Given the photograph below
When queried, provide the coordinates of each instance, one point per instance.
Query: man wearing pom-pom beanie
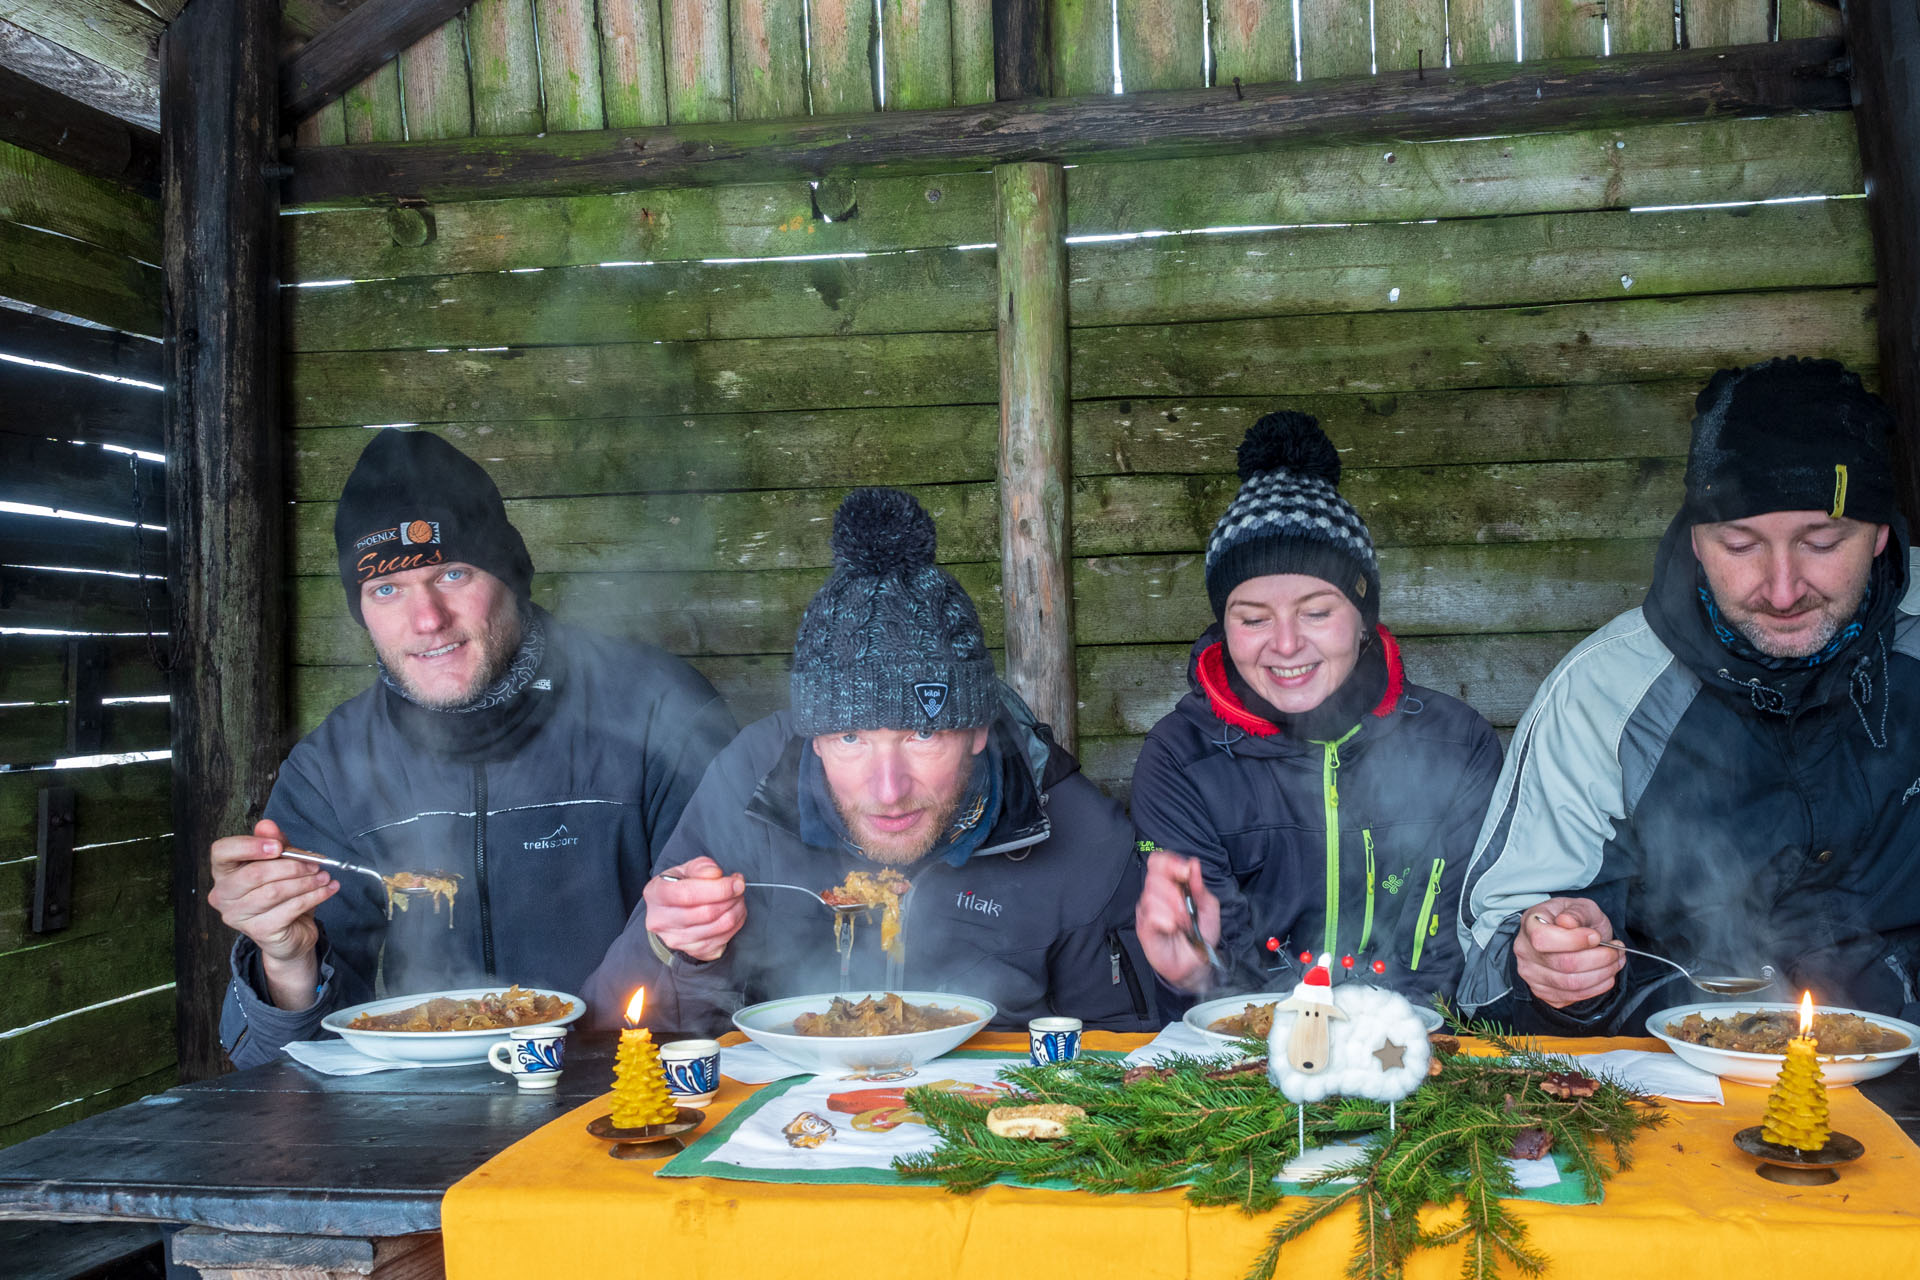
(901, 758)
(1726, 776)
(1304, 793)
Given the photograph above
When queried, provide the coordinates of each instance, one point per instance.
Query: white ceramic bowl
(1762, 1068)
(435, 1048)
(770, 1025)
(1202, 1016)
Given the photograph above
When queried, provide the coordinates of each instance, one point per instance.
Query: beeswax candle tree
(1797, 1107)
(639, 1084)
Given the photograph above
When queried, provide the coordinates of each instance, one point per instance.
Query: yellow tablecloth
(555, 1205)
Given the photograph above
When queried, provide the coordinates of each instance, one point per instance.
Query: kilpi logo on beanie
(933, 698)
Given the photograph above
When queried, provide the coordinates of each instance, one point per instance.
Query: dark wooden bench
(83, 1250)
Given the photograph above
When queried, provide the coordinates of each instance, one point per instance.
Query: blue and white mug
(531, 1055)
(693, 1070)
(1053, 1040)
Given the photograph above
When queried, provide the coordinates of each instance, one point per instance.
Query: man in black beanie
(537, 769)
(905, 774)
(1725, 775)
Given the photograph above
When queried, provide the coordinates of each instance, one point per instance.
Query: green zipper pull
(1366, 923)
(1421, 929)
(1330, 801)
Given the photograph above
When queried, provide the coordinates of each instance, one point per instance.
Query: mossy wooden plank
(1481, 31)
(504, 67)
(113, 884)
(373, 110)
(41, 269)
(1162, 44)
(1336, 39)
(1708, 23)
(111, 803)
(92, 1104)
(569, 64)
(633, 70)
(916, 38)
(44, 600)
(1563, 28)
(1113, 515)
(326, 127)
(840, 67)
(1800, 19)
(1584, 342)
(769, 60)
(53, 1065)
(933, 290)
(1647, 26)
(70, 406)
(699, 86)
(1409, 33)
(43, 193)
(333, 388)
(51, 543)
(37, 735)
(972, 51)
(67, 971)
(801, 450)
(1082, 47)
(34, 668)
(1722, 160)
(82, 478)
(1108, 763)
(435, 87)
(1252, 42)
(1481, 262)
(1117, 599)
(761, 220)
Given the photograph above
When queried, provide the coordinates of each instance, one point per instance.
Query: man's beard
(904, 851)
(497, 645)
(1834, 614)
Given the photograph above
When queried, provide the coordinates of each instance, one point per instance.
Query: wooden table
(281, 1172)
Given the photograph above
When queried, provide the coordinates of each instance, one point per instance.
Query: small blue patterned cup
(531, 1055)
(1053, 1040)
(693, 1070)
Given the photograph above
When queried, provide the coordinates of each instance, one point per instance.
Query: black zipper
(1123, 970)
(480, 865)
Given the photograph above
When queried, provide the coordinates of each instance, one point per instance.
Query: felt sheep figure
(1353, 1041)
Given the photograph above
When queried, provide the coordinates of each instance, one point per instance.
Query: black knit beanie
(415, 500)
(1789, 435)
(1289, 517)
(891, 641)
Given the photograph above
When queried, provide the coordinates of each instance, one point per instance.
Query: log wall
(674, 388)
(81, 632)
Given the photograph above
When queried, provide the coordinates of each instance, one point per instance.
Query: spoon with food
(400, 885)
(1718, 984)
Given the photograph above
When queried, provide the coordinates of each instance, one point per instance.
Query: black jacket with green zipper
(1357, 848)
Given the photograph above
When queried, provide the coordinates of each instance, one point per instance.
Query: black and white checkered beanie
(891, 641)
(1289, 517)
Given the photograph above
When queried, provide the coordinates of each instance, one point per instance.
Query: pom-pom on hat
(891, 641)
(414, 500)
(1789, 435)
(1289, 517)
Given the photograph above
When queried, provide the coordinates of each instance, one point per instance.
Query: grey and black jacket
(551, 819)
(1356, 847)
(1039, 919)
(1721, 812)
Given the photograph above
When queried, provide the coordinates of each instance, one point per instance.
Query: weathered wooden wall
(76, 618)
(1504, 349)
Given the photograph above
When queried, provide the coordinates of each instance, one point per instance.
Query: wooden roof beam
(82, 137)
(1459, 102)
(354, 48)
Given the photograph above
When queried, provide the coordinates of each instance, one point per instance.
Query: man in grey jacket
(1724, 775)
(541, 767)
(902, 758)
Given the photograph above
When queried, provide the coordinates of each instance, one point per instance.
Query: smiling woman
(1320, 801)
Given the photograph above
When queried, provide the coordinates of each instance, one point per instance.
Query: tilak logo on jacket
(969, 901)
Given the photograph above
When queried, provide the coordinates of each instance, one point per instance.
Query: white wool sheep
(1374, 1017)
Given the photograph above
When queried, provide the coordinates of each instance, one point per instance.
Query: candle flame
(635, 1005)
(1806, 1013)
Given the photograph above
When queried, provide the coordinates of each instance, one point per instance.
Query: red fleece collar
(1220, 696)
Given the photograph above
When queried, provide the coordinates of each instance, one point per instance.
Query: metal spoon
(1714, 984)
(1216, 969)
(838, 909)
(301, 855)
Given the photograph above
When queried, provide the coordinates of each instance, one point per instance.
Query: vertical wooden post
(1883, 40)
(1022, 64)
(1036, 467)
(225, 506)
